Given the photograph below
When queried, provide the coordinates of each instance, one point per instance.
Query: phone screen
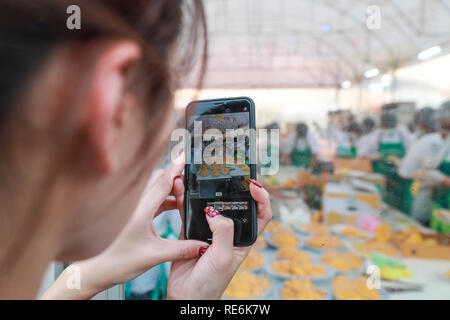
(219, 165)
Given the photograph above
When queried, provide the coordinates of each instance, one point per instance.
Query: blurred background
(300, 59)
(345, 73)
(351, 221)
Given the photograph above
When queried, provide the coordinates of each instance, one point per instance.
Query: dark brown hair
(29, 30)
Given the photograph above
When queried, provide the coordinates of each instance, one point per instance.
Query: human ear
(106, 100)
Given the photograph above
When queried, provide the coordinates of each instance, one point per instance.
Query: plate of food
(274, 226)
(290, 269)
(311, 229)
(295, 254)
(301, 289)
(248, 286)
(253, 262)
(368, 247)
(345, 262)
(285, 238)
(350, 232)
(355, 288)
(323, 242)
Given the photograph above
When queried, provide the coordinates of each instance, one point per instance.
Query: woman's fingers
(168, 204)
(222, 229)
(264, 210)
(174, 250)
(178, 187)
(163, 182)
(161, 186)
(178, 193)
(177, 166)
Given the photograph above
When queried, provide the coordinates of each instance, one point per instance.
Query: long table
(427, 272)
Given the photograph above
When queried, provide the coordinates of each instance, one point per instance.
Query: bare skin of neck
(22, 264)
(21, 278)
(29, 238)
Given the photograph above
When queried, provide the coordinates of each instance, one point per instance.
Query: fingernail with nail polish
(256, 183)
(211, 211)
(202, 250)
(180, 157)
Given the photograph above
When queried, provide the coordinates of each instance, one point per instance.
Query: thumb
(222, 229)
(264, 209)
(175, 250)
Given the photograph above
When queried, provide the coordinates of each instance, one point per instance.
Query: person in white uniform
(425, 122)
(389, 141)
(422, 155)
(368, 128)
(425, 147)
(335, 126)
(385, 147)
(304, 148)
(348, 145)
(368, 125)
(429, 164)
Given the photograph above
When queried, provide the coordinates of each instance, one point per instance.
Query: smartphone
(220, 153)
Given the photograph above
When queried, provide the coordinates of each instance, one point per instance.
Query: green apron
(383, 167)
(397, 193)
(345, 152)
(441, 199)
(301, 158)
(441, 194)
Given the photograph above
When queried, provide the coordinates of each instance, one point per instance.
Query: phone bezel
(252, 125)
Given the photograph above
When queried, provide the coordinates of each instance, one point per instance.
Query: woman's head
(301, 129)
(368, 125)
(85, 114)
(354, 131)
(425, 120)
(388, 120)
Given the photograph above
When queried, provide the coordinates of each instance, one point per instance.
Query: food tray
(267, 295)
(279, 285)
(319, 251)
(337, 229)
(268, 237)
(384, 295)
(353, 273)
(331, 273)
(301, 232)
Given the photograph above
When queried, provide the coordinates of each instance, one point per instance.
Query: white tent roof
(316, 43)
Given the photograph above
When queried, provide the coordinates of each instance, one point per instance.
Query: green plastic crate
(435, 222)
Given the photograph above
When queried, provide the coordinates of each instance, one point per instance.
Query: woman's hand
(208, 276)
(138, 247)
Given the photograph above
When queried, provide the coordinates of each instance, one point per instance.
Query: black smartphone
(220, 153)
